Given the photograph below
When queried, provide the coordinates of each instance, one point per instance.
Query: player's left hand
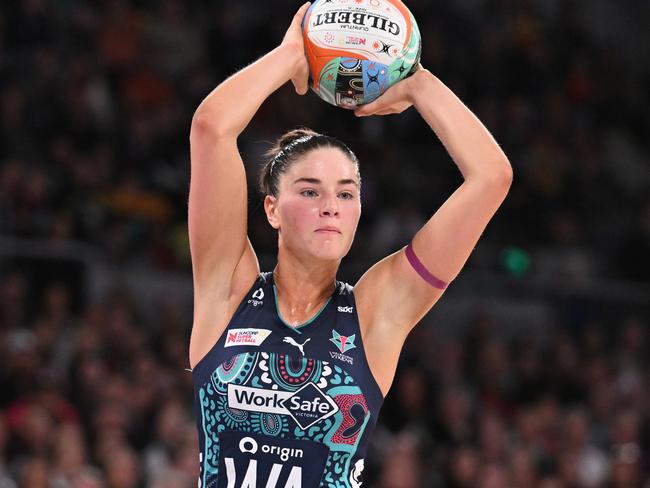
(395, 100)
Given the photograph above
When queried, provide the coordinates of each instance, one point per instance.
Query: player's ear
(271, 210)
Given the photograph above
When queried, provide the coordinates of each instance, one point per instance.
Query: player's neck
(302, 291)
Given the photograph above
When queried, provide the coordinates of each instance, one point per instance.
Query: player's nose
(329, 207)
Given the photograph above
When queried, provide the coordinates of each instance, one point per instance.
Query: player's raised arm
(217, 206)
(443, 245)
(222, 257)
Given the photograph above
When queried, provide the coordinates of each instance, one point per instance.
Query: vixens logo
(344, 343)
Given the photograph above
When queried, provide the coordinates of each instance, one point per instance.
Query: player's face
(318, 207)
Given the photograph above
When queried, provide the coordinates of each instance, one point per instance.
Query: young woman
(290, 367)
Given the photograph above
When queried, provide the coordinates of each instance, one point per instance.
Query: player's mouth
(329, 229)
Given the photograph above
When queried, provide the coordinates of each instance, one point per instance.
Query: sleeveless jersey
(284, 407)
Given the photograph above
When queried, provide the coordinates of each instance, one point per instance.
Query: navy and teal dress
(279, 406)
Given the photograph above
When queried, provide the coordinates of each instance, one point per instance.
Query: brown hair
(291, 146)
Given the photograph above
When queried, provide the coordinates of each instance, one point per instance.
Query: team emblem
(344, 343)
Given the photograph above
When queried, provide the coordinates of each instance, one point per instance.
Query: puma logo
(294, 343)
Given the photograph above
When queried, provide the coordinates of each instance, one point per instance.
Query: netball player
(290, 367)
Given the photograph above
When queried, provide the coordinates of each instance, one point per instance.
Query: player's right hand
(293, 39)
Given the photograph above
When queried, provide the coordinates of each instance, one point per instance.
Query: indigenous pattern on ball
(357, 49)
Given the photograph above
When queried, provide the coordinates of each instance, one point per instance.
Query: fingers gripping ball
(357, 49)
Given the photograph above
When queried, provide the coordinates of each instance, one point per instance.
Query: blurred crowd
(96, 101)
(485, 411)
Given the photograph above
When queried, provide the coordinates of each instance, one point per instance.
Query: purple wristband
(422, 271)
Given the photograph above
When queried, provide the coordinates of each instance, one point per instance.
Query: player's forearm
(229, 108)
(466, 139)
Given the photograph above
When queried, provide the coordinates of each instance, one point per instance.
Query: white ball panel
(355, 26)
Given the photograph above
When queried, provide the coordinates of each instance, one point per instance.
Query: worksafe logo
(306, 406)
(344, 343)
(309, 405)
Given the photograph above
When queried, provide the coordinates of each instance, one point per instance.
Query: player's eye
(308, 193)
(346, 195)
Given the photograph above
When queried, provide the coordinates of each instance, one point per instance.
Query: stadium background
(532, 371)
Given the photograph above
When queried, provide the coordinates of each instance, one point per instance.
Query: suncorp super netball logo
(246, 337)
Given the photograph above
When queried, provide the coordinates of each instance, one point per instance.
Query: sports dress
(281, 407)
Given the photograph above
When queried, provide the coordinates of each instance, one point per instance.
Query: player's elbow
(500, 174)
(206, 124)
(497, 181)
(505, 175)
